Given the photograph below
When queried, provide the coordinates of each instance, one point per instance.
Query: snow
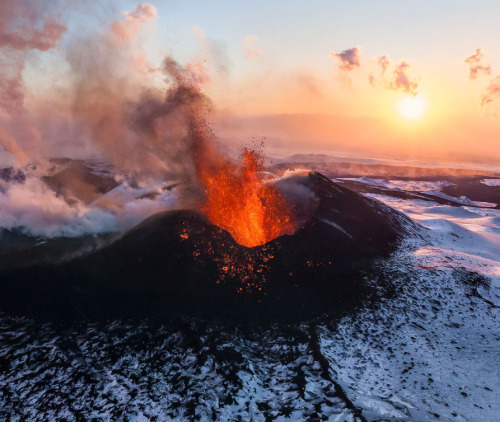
(428, 347)
(403, 185)
(491, 182)
(431, 352)
(428, 353)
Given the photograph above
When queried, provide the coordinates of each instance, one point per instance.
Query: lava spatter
(239, 200)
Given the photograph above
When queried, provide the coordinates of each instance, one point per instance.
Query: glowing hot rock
(239, 200)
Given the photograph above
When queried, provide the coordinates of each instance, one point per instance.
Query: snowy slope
(432, 351)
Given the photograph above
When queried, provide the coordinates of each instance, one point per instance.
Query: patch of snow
(463, 200)
(491, 182)
(331, 223)
(403, 185)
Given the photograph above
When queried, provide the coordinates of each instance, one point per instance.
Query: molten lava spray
(240, 201)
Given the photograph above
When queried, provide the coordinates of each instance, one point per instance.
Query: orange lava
(239, 201)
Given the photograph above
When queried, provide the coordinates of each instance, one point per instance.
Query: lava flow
(240, 201)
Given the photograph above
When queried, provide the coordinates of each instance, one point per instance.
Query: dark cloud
(402, 81)
(477, 65)
(350, 59)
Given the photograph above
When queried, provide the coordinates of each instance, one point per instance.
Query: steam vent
(179, 260)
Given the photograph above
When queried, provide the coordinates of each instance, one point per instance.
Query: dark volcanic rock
(177, 260)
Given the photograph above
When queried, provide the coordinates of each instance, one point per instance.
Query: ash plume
(114, 100)
(477, 65)
(24, 27)
(144, 131)
(350, 59)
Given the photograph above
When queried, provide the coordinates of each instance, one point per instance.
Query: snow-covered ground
(427, 348)
(406, 185)
(432, 351)
(491, 182)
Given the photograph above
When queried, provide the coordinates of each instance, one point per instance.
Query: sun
(412, 108)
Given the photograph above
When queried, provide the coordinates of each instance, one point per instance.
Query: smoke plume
(477, 65)
(24, 27)
(144, 131)
(150, 122)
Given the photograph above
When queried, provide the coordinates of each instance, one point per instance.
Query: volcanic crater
(178, 260)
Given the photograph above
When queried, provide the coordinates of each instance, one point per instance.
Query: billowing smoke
(151, 130)
(147, 132)
(305, 201)
(24, 26)
(33, 207)
(477, 65)
(400, 79)
(350, 59)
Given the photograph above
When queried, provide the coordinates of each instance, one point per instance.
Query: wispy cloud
(401, 79)
(492, 92)
(477, 65)
(248, 45)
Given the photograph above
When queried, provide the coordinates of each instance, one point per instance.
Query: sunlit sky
(275, 58)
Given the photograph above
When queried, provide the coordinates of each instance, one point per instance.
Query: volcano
(180, 260)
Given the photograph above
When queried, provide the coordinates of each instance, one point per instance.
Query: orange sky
(326, 76)
(351, 115)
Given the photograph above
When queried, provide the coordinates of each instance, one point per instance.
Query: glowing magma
(239, 201)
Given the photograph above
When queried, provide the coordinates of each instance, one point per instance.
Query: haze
(329, 77)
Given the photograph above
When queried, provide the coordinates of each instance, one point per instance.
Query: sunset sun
(412, 108)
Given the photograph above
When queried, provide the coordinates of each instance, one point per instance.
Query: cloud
(350, 59)
(24, 28)
(129, 28)
(477, 66)
(248, 45)
(383, 62)
(33, 207)
(400, 79)
(492, 92)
